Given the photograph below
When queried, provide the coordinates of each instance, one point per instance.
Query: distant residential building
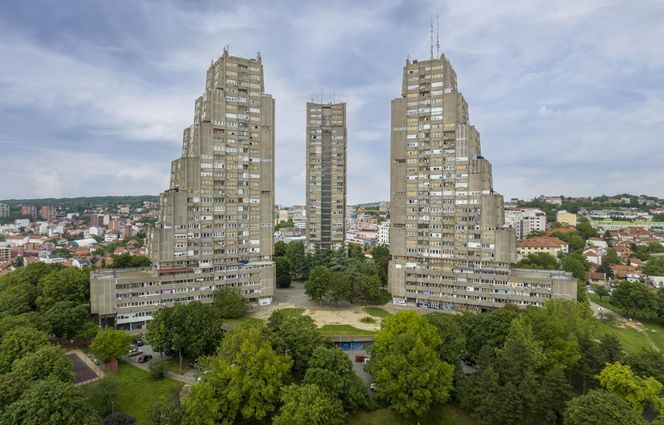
(28, 210)
(326, 175)
(554, 200)
(5, 251)
(48, 212)
(96, 220)
(526, 221)
(81, 263)
(384, 206)
(4, 210)
(124, 209)
(384, 233)
(541, 244)
(566, 218)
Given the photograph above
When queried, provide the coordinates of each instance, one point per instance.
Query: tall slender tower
(326, 175)
(450, 248)
(215, 225)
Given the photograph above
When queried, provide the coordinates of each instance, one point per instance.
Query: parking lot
(358, 367)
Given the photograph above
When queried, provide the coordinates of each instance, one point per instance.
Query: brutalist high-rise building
(215, 226)
(326, 175)
(450, 248)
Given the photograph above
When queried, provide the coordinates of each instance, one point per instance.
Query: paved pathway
(187, 377)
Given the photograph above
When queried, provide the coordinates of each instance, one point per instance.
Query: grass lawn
(347, 330)
(292, 312)
(137, 391)
(376, 312)
(632, 340)
(448, 414)
(174, 364)
(242, 321)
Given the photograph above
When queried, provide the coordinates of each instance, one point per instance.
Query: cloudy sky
(568, 96)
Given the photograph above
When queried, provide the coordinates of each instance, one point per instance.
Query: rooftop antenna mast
(437, 38)
(431, 37)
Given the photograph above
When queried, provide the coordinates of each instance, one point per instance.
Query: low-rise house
(655, 281)
(541, 244)
(597, 243)
(595, 278)
(592, 256)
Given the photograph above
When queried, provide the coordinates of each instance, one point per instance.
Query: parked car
(372, 387)
(139, 342)
(134, 352)
(359, 358)
(366, 361)
(144, 358)
(169, 353)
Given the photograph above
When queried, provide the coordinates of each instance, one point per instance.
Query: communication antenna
(431, 37)
(437, 38)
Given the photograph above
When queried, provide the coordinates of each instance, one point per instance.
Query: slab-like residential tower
(215, 226)
(450, 248)
(326, 175)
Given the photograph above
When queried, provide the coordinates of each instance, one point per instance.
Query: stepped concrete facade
(450, 247)
(326, 175)
(215, 227)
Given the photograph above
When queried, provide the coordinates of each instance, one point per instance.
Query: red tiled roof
(541, 242)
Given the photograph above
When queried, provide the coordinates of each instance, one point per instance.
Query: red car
(359, 358)
(144, 358)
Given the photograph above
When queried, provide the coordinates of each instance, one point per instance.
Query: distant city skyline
(93, 97)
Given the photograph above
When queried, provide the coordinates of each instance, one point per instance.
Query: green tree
(318, 285)
(68, 284)
(381, 257)
(540, 261)
(332, 371)
(340, 288)
(158, 368)
(119, 418)
(576, 264)
(449, 329)
(283, 272)
(110, 343)
(296, 337)
(48, 361)
(307, 404)
(30, 320)
(126, 260)
(102, 394)
(586, 230)
(367, 290)
(17, 298)
(284, 224)
(18, 343)
(50, 402)
(486, 330)
(600, 291)
(654, 266)
(67, 319)
(558, 326)
(612, 349)
(409, 375)
(576, 242)
(600, 407)
(230, 303)
(243, 381)
(168, 410)
(647, 362)
(298, 262)
(636, 299)
(635, 390)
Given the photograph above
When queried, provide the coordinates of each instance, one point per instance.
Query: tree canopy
(409, 374)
